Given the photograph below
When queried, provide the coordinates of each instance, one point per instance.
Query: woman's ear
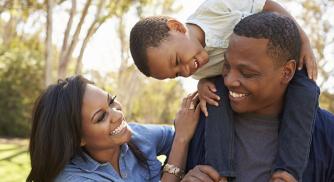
(173, 24)
(289, 70)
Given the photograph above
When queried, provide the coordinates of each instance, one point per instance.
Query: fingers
(311, 67)
(202, 173)
(202, 105)
(211, 172)
(283, 176)
(301, 62)
(212, 87)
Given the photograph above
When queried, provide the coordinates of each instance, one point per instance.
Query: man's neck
(195, 32)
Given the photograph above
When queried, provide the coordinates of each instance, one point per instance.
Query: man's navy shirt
(320, 167)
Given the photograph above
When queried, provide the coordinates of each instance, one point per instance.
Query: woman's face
(104, 126)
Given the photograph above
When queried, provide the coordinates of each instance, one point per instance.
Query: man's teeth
(119, 128)
(237, 95)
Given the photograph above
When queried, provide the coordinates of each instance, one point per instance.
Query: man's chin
(238, 109)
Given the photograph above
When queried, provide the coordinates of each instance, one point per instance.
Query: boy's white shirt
(217, 18)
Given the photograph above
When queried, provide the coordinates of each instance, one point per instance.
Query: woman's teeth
(119, 129)
(237, 95)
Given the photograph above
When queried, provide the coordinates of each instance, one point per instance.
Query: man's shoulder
(324, 121)
(323, 133)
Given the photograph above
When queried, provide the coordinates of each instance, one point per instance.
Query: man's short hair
(281, 31)
(148, 32)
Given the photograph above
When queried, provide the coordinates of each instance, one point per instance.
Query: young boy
(162, 47)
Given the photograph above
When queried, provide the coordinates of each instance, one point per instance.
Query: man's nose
(231, 80)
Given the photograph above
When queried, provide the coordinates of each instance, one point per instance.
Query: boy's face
(254, 82)
(178, 55)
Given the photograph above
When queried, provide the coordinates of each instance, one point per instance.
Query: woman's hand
(187, 118)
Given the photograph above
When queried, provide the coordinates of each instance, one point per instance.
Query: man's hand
(203, 173)
(206, 93)
(282, 176)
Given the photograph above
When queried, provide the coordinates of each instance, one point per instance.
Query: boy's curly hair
(148, 32)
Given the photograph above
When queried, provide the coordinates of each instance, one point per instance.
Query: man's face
(178, 55)
(254, 83)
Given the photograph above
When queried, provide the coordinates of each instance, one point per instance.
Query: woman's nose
(115, 114)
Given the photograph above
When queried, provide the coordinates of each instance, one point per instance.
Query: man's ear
(82, 143)
(176, 25)
(289, 70)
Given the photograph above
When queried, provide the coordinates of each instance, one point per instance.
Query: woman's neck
(108, 155)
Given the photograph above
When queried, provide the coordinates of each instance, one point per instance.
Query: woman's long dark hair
(57, 130)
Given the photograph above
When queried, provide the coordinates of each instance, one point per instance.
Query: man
(260, 62)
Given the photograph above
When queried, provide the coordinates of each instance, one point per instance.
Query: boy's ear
(176, 25)
(289, 70)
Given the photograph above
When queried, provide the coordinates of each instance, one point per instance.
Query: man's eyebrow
(95, 114)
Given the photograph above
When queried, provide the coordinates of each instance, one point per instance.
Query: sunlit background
(42, 41)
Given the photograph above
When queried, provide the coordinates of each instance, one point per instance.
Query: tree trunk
(48, 44)
(69, 51)
(91, 31)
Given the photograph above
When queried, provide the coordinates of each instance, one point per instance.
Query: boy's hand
(307, 57)
(206, 92)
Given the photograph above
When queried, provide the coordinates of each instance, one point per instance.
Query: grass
(14, 160)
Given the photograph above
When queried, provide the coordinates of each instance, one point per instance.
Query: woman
(79, 133)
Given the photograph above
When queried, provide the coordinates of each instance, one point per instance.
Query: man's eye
(248, 75)
(226, 69)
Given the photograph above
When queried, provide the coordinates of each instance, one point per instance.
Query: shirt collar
(89, 164)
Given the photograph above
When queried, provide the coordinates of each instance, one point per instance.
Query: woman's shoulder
(150, 130)
(152, 138)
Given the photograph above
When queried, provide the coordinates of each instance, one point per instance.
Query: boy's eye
(177, 61)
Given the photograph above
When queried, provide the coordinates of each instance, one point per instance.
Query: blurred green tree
(21, 80)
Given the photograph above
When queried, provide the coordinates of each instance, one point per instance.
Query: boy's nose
(185, 71)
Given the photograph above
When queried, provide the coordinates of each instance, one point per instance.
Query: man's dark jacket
(320, 167)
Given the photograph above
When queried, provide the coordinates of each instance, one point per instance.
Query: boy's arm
(306, 53)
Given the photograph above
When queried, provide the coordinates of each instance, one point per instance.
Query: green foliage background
(21, 74)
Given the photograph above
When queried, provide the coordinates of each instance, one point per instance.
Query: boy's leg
(298, 117)
(219, 133)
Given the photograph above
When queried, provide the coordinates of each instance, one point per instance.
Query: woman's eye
(102, 117)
